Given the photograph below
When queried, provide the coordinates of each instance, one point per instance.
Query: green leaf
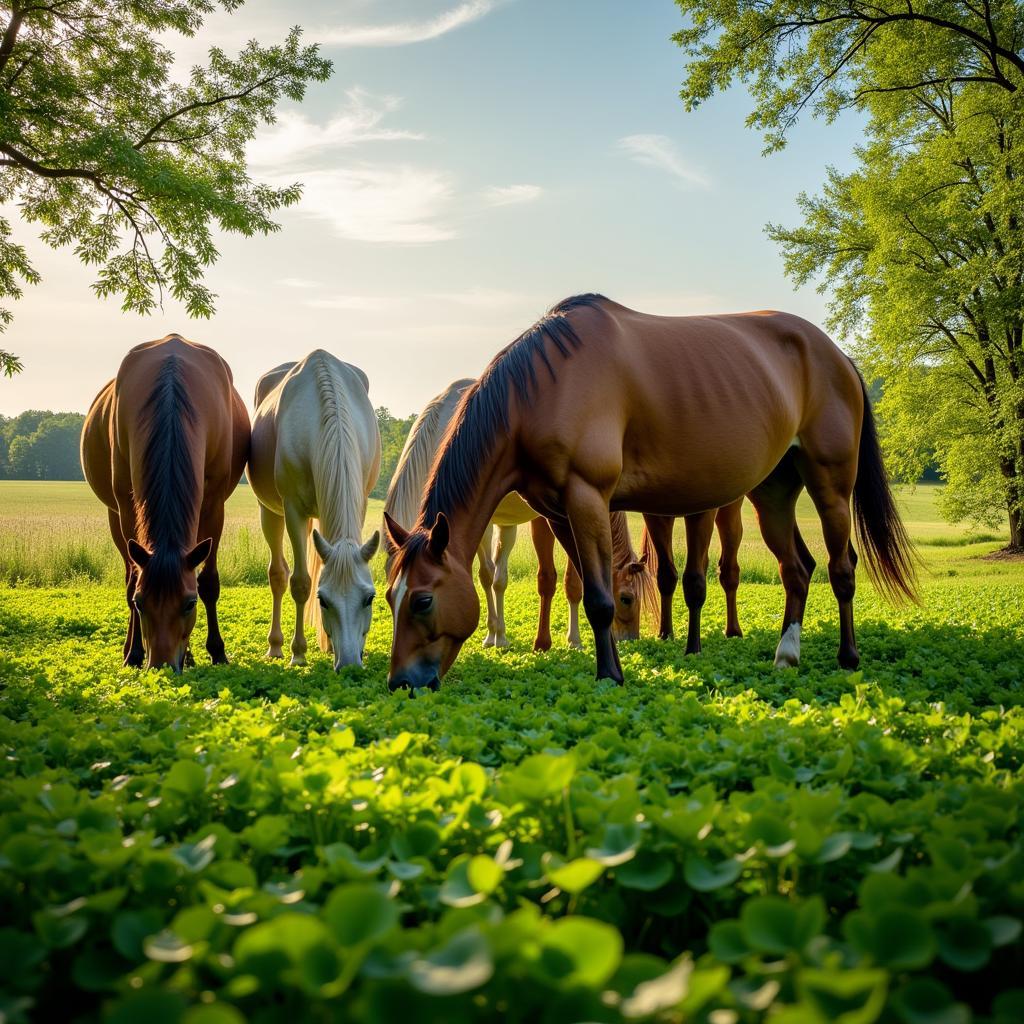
(965, 944)
(292, 941)
(618, 844)
(647, 871)
(771, 924)
(463, 964)
(704, 876)
(185, 778)
(925, 1001)
(483, 874)
(541, 776)
(581, 951)
(726, 941)
(130, 928)
(167, 948)
(358, 914)
(573, 876)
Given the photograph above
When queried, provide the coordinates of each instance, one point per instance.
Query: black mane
(482, 414)
(169, 485)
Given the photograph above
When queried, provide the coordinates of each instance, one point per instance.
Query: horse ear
(369, 549)
(138, 554)
(199, 554)
(395, 534)
(644, 557)
(637, 567)
(440, 534)
(323, 549)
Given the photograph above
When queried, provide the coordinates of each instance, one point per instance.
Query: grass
(714, 842)
(54, 533)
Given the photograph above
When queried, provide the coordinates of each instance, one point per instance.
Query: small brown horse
(656, 545)
(164, 444)
(598, 406)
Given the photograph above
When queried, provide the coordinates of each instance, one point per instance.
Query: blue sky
(469, 163)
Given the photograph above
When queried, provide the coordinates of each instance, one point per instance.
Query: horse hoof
(274, 652)
(540, 646)
(734, 632)
(502, 643)
(849, 660)
(787, 654)
(298, 659)
(693, 650)
(489, 640)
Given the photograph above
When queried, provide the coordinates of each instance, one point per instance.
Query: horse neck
(470, 515)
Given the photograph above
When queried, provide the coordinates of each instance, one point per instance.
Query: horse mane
(168, 476)
(421, 447)
(336, 475)
(483, 413)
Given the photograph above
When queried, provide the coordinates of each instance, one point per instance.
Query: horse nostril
(397, 684)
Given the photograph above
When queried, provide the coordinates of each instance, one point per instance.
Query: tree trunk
(1016, 528)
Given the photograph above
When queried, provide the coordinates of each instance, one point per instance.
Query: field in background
(52, 533)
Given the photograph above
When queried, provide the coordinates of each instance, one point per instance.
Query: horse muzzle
(422, 676)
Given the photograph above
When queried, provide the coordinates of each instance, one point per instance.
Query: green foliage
(714, 841)
(393, 433)
(41, 446)
(100, 143)
(804, 54)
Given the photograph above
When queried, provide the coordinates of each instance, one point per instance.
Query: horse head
(166, 594)
(433, 602)
(345, 592)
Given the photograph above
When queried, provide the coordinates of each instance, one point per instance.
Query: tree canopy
(109, 154)
(920, 247)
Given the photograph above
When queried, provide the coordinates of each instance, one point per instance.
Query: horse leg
(485, 571)
(298, 527)
(830, 487)
(502, 550)
(132, 651)
(699, 528)
(588, 514)
(659, 530)
(277, 574)
(729, 521)
(775, 502)
(573, 586)
(547, 579)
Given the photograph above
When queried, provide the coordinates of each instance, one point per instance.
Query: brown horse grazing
(656, 545)
(598, 406)
(164, 444)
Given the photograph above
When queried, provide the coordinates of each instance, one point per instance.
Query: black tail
(891, 559)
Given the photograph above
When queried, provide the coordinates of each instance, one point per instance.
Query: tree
(920, 246)
(808, 54)
(109, 154)
(41, 446)
(393, 433)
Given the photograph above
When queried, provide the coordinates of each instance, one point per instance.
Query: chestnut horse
(600, 407)
(163, 446)
(633, 583)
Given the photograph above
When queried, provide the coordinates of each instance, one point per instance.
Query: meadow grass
(54, 533)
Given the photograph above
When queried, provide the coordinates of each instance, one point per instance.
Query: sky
(468, 164)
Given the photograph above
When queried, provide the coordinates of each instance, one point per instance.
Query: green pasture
(714, 842)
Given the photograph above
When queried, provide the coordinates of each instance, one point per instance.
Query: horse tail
(315, 566)
(891, 558)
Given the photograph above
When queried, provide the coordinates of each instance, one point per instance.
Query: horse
(316, 456)
(599, 407)
(656, 545)
(163, 446)
(633, 582)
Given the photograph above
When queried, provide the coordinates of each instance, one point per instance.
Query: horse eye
(190, 605)
(626, 599)
(368, 600)
(137, 601)
(422, 603)
(322, 600)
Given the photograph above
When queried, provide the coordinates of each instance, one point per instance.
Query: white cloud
(660, 151)
(404, 32)
(356, 303)
(397, 204)
(507, 195)
(295, 137)
(297, 282)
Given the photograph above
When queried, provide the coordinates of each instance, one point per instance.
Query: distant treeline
(43, 445)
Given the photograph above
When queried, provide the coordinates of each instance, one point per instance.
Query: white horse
(403, 501)
(316, 456)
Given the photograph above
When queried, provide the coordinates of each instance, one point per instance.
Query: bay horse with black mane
(600, 407)
(163, 446)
